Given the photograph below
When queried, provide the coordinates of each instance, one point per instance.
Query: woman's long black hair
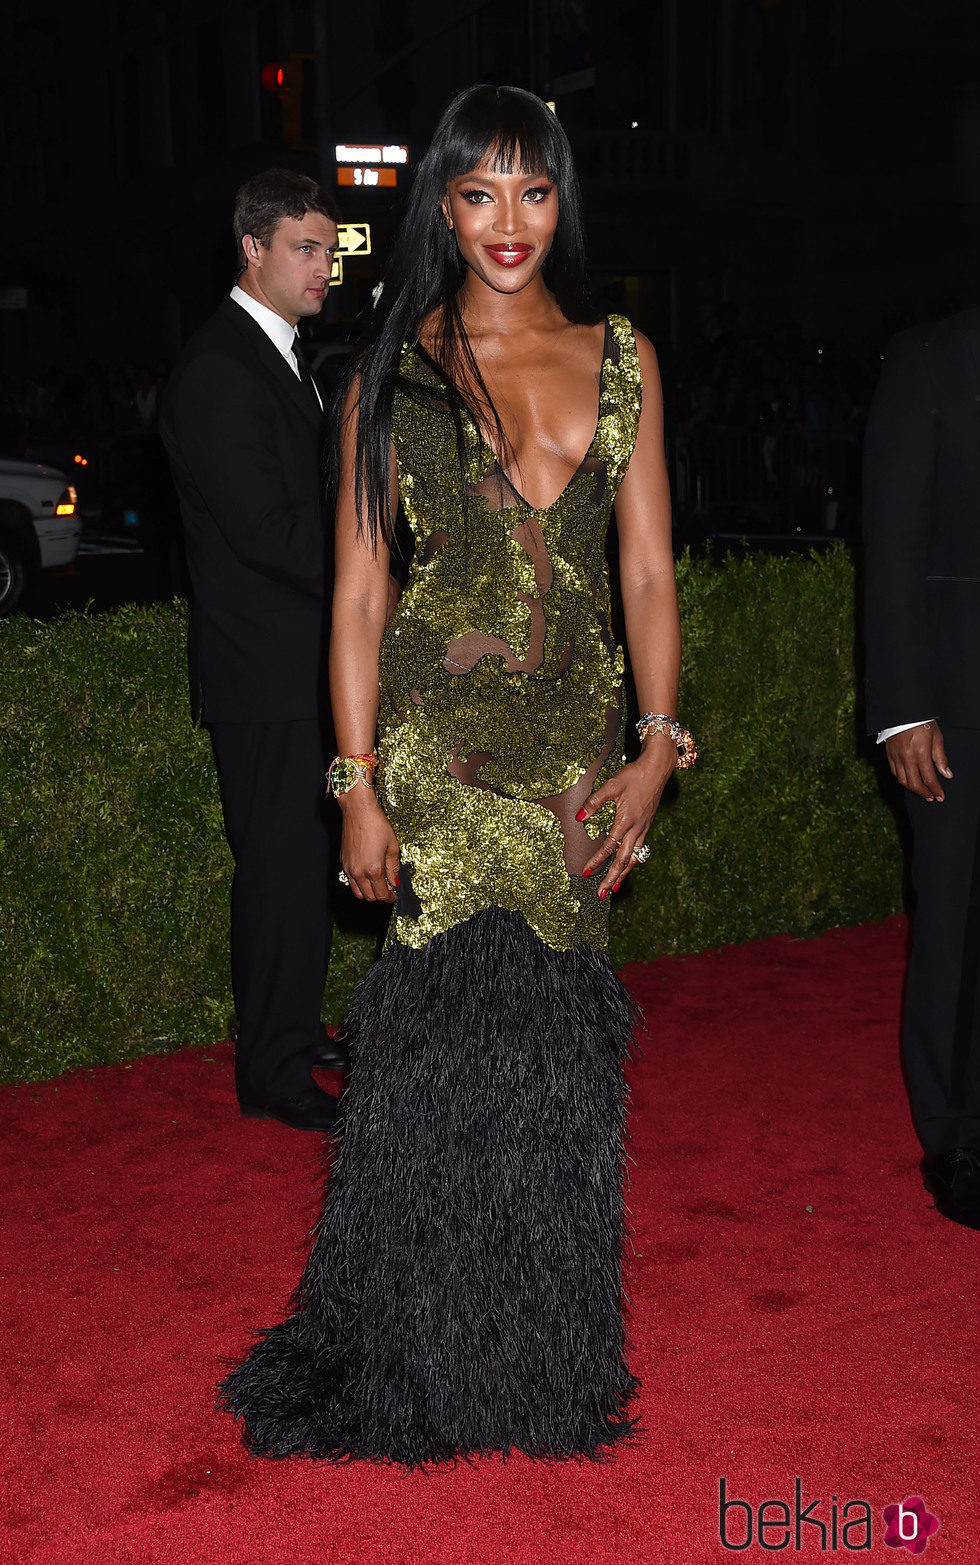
(426, 273)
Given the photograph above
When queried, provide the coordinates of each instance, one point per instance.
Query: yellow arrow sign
(336, 272)
(354, 238)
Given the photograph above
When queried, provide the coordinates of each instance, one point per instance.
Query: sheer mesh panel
(463, 653)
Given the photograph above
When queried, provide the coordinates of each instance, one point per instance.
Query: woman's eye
(476, 197)
(539, 193)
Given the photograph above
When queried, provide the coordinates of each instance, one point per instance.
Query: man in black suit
(241, 423)
(922, 532)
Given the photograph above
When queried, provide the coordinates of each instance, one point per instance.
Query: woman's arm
(653, 634)
(369, 848)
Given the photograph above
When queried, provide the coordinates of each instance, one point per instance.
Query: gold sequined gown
(463, 1293)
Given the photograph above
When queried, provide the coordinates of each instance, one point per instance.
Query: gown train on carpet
(463, 1292)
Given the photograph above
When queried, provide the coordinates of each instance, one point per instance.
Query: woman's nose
(508, 218)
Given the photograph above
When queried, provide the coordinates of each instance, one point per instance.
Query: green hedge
(114, 874)
(782, 826)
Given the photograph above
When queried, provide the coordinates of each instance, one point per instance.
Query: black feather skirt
(463, 1294)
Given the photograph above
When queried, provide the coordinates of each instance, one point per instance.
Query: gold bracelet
(346, 771)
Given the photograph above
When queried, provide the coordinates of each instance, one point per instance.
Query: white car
(39, 526)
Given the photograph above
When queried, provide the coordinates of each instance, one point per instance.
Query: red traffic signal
(294, 83)
(274, 77)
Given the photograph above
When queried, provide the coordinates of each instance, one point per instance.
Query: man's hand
(917, 758)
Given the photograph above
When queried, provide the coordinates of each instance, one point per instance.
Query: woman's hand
(635, 790)
(369, 850)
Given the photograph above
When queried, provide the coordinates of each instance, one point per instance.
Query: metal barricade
(766, 482)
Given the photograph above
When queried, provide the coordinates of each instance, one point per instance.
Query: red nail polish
(580, 816)
(398, 881)
(617, 885)
(586, 872)
(602, 894)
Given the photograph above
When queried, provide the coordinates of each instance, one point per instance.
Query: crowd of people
(92, 404)
(766, 429)
(774, 381)
(728, 381)
(742, 409)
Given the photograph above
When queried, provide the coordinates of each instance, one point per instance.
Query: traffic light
(294, 83)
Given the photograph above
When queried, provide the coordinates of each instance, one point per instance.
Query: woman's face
(504, 223)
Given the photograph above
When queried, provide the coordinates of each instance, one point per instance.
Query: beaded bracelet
(346, 771)
(661, 723)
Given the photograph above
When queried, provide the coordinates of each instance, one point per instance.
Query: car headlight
(67, 502)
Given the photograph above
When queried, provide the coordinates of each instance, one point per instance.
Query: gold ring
(343, 879)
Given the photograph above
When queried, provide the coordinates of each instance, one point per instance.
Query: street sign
(354, 238)
(336, 272)
(367, 177)
(373, 152)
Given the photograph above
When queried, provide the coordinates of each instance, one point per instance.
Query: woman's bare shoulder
(644, 347)
(646, 354)
(624, 329)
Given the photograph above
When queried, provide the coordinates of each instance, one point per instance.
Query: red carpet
(798, 1309)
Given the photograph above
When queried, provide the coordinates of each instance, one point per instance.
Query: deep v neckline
(487, 449)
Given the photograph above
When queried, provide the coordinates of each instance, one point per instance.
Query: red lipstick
(509, 255)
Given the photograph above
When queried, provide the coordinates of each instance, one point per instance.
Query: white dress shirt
(280, 333)
(902, 728)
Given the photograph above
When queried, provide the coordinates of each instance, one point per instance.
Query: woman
(463, 1294)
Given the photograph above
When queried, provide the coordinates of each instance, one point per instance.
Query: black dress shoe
(330, 1055)
(310, 1109)
(954, 1180)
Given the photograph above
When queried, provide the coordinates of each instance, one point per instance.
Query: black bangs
(517, 157)
(510, 127)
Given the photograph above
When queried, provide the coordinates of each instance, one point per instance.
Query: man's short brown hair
(265, 199)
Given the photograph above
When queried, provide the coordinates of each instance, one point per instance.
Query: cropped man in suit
(922, 532)
(241, 422)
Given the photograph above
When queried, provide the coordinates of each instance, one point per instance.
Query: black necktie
(304, 374)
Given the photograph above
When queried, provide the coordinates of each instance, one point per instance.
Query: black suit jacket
(922, 529)
(242, 433)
